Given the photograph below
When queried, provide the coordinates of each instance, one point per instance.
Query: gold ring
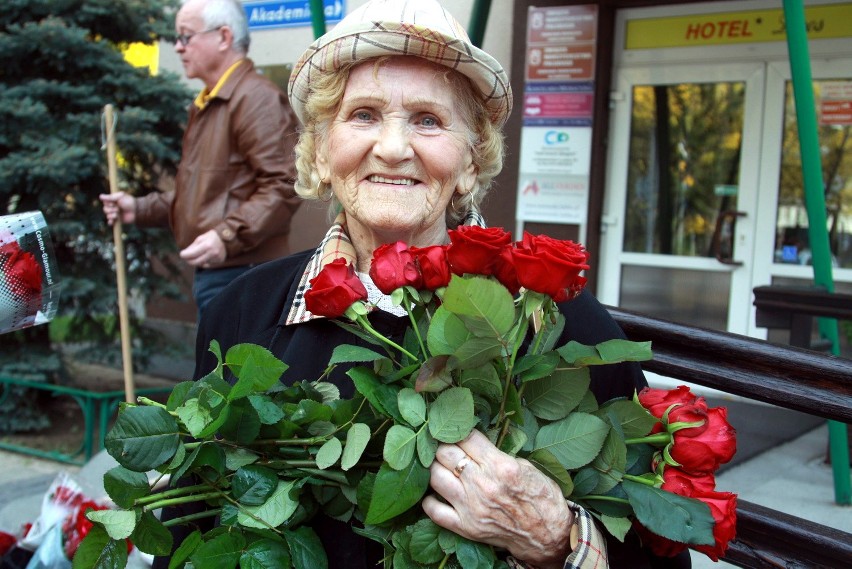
(460, 466)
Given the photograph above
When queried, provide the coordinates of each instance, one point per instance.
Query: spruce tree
(61, 64)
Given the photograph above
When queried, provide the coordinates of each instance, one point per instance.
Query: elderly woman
(402, 117)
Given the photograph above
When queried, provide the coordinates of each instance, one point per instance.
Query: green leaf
(477, 352)
(669, 515)
(255, 366)
(553, 397)
(575, 441)
(222, 552)
(194, 416)
(357, 439)
(412, 407)
(382, 397)
(618, 527)
(395, 491)
(178, 395)
(243, 424)
(482, 298)
(617, 350)
(216, 350)
(609, 352)
(353, 354)
(634, 419)
(306, 550)
(535, 366)
(483, 381)
(473, 555)
(238, 457)
(399, 447)
(424, 547)
(118, 523)
(99, 551)
(446, 333)
(611, 462)
(550, 466)
(185, 549)
(151, 536)
(143, 438)
(123, 486)
(434, 375)
(514, 441)
(265, 554)
(328, 453)
(451, 416)
(267, 411)
(426, 447)
(253, 485)
(272, 513)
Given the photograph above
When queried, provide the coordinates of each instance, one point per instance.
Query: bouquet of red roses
(480, 353)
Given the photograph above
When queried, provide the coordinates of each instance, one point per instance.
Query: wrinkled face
(397, 151)
(202, 55)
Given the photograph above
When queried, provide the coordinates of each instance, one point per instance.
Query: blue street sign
(265, 15)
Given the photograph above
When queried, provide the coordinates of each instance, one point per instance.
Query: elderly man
(233, 197)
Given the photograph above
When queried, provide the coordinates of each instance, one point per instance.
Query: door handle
(726, 217)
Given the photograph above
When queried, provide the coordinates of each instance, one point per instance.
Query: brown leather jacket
(236, 172)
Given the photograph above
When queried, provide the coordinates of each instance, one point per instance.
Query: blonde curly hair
(485, 139)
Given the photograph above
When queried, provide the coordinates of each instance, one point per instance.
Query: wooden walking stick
(126, 354)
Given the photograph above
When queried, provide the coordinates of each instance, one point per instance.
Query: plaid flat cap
(422, 28)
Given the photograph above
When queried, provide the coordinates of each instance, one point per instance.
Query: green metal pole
(478, 19)
(317, 18)
(800, 67)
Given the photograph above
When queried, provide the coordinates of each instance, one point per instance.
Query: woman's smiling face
(397, 151)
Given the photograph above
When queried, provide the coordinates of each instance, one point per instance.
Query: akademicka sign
(264, 15)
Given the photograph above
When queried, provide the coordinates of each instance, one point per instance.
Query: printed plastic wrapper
(29, 279)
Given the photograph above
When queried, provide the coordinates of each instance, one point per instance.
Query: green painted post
(317, 18)
(800, 66)
(478, 19)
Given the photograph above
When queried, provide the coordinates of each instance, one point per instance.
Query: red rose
(550, 266)
(476, 250)
(21, 270)
(723, 506)
(334, 289)
(433, 265)
(705, 448)
(506, 272)
(393, 267)
(676, 406)
(657, 401)
(685, 484)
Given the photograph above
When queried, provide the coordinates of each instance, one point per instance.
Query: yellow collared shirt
(204, 96)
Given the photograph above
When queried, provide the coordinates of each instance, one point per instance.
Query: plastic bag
(51, 553)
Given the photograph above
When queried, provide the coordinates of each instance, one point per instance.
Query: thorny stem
(659, 438)
(192, 517)
(414, 325)
(362, 320)
(182, 500)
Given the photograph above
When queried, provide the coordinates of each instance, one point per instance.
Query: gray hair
(229, 13)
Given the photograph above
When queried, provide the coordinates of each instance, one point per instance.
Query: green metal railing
(98, 408)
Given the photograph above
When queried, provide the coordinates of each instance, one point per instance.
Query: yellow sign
(143, 55)
(823, 22)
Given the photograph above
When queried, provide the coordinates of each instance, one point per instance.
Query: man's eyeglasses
(184, 39)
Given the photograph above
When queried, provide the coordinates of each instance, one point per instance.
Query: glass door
(786, 257)
(681, 201)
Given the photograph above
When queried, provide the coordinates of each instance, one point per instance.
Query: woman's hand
(494, 498)
(119, 206)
